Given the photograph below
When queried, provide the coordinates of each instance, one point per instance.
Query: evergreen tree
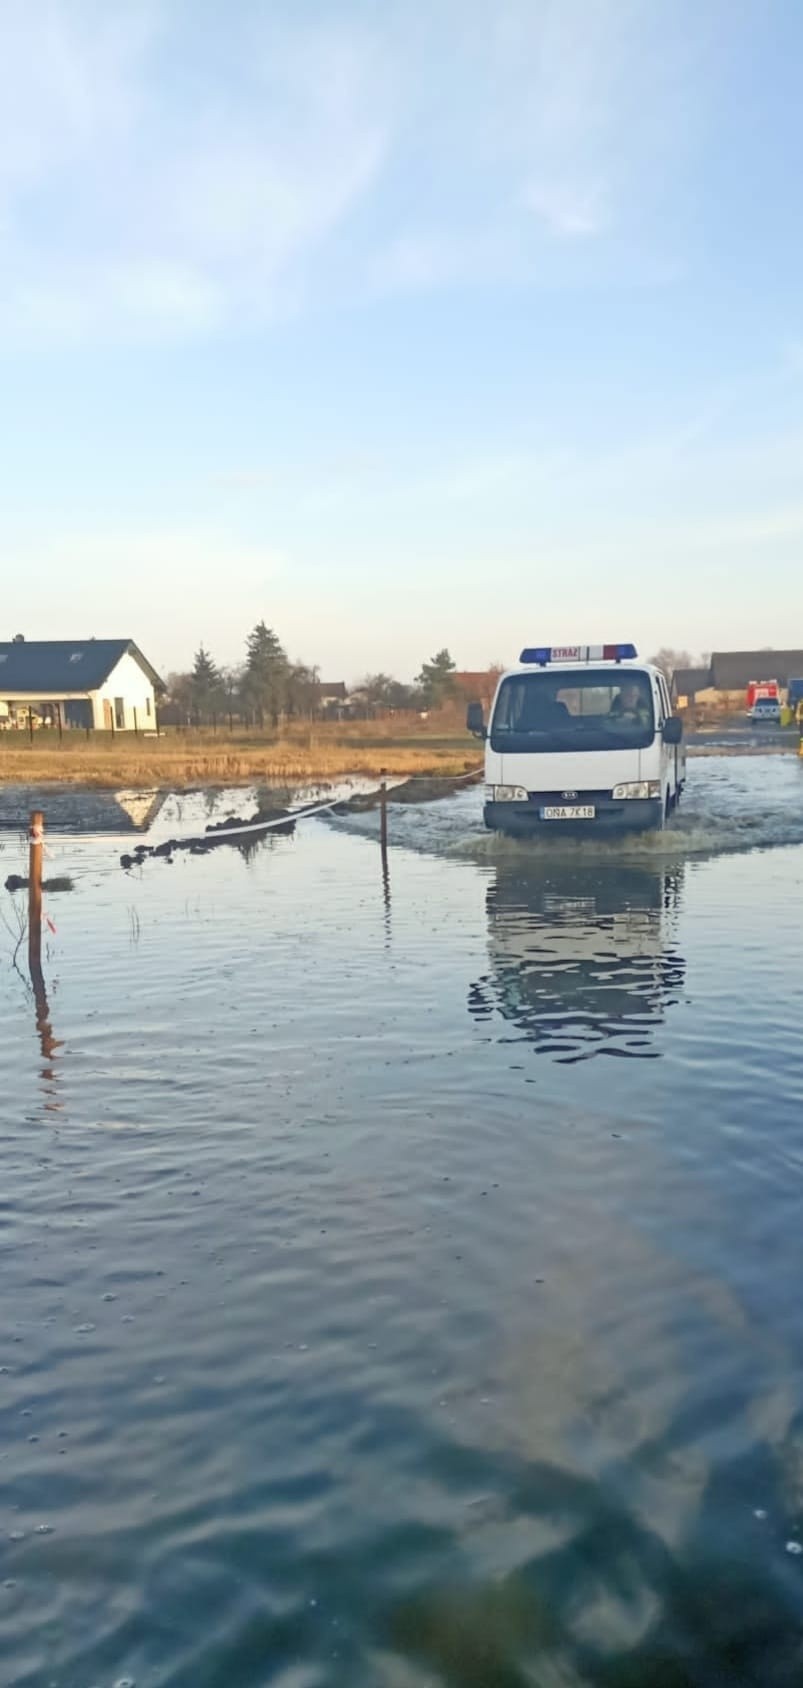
(266, 673)
(436, 680)
(206, 684)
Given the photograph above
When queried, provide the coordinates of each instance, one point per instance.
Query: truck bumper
(523, 820)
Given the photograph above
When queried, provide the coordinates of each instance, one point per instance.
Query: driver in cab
(630, 707)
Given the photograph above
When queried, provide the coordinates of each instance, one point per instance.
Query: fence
(381, 797)
(419, 788)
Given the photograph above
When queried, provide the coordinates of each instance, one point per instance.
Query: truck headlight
(509, 794)
(637, 788)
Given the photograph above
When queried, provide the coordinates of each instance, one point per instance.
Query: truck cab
(581, 738)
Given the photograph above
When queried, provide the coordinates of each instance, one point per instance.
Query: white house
(101, 683)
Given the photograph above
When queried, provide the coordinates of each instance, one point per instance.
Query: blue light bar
(540, 655)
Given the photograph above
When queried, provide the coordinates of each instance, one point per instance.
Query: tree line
(267, 686)
(432, 688)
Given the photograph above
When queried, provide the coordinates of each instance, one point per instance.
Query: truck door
(669, 753)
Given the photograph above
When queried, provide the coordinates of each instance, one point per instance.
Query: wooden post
(36, 848)
(60, 722)
(383, 846)
(383, 812)
(35, 851)
(111, 718)
(136, 724)
(30, 723)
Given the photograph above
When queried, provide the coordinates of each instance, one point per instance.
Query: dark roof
(48, 667)
(687, 681)
(732, 671)
(332, 688)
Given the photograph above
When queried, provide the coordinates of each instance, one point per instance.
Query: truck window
(574, 709)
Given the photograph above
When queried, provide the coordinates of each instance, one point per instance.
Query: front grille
(559, 797)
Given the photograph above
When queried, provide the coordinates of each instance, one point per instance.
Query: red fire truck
(762, 689)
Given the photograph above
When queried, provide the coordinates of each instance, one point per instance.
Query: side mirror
(673, 730)
(475, 720)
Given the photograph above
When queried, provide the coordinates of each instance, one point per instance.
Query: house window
(148, 704)
(77, 656)
(119, 714)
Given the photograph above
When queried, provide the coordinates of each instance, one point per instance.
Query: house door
(107, 715)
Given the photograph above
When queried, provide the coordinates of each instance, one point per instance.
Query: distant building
(331, 699)
(688, 683)
(476, 686)
(723, 684)
(99, 683)
(331, 691)
(732, 671)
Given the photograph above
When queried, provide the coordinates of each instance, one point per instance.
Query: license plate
(581, 812)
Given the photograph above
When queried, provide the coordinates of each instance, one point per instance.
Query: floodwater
(402, 1274)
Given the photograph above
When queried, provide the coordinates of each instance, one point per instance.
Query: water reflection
(582, 956)
(48, 1042)
(75, 810)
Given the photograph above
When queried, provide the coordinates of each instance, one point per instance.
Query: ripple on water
(406, 1288)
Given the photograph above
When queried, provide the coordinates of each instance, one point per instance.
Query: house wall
(129, 683)
(733, 702)
(725, 703)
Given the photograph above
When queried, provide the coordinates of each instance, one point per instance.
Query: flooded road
(402, 1278)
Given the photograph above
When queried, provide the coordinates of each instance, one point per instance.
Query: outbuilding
(723, 685)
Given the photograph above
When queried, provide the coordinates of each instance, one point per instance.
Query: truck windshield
(577, 709)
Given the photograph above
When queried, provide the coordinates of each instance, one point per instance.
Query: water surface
(402, 1274)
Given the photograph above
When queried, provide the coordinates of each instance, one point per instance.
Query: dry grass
(183, 760)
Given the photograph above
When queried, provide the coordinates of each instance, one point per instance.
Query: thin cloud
(169, 555)
(131, 197)
(423, 261)
(569, 211)
(167, 176)
(590, 89)
(246, 480)
(794, 356)
(560, 132)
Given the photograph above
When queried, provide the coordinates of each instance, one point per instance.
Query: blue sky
(401, 325)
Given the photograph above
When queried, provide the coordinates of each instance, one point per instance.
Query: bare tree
(232, 683)
(303, 686)
(384, 692)
(669, 661)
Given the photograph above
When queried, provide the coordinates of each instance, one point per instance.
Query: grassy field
(180, 760)
(299, 753)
